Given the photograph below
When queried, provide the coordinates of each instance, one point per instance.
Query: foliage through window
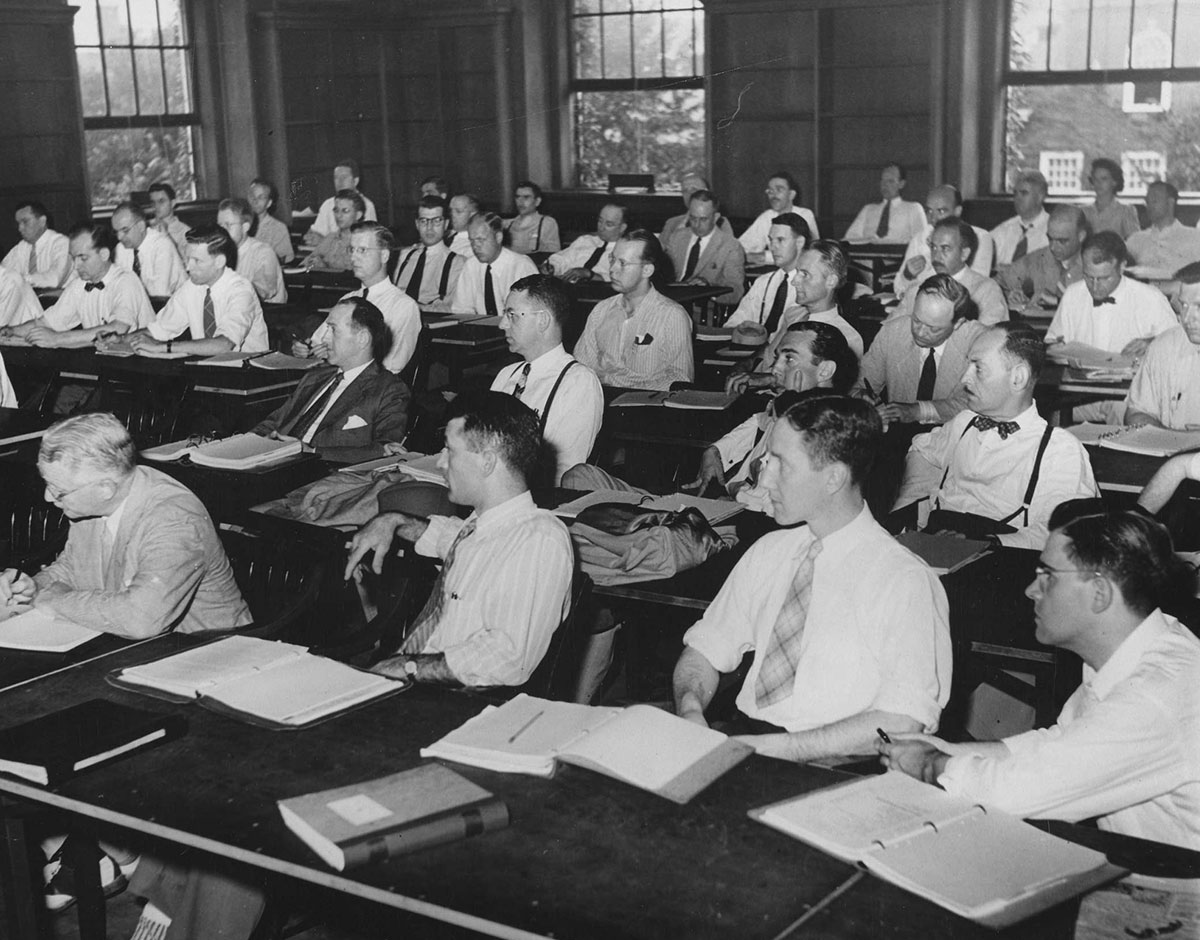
(1104, 78)
(637, 83)
(135, 80)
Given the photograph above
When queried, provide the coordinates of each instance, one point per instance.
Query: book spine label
(461, 824)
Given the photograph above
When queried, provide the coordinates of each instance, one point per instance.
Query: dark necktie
(693, 259)
(33, 259)
(315, 407)
(928, 378)
(93, 285)
(427, 621)
(594, 257)
(418, 273)
(777, 677)
(777, 306)
(210, 315)
(1003, 428)
(885, 218)
(363, 295)
(137, 263)
(1110, 299)
(522, 381)
(489, 293)
(1023, 244)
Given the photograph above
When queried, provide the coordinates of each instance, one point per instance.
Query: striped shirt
(650, 349)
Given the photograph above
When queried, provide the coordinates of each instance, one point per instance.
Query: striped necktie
(210, 315)
(777, 676)
(33, 259)
(427, 621)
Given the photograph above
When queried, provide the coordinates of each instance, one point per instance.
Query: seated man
(916, 363)
(18, 302)
(1165, 392)
(689, 184)
(783, 192)
(346, 176)
(147, 252)
(1034, 284)
(435, 186)
(103, 299)
(997, 469)
(350, 414)
(256, 261)
(565, 394)
(332, 252)
(773, 293)
(505, 584)
(1166, 244)
(837, 655)
(262, 197)
(893, 220)
(166, 569)
(429, 270)
(1024, 232)
(588, 258)
(490, 271)
(1123, 748)
(951, 246)
(530, 232)
(371, 245)
(639, 338)
(217, 307)
(941, 203)
(42, 256)
(704, 254)
(463, 208)
(162, 200)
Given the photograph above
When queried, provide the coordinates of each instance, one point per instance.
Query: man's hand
(376, 536)
(303, 349)
(778, 746)
(575, 275)
(914, 267)
(689, 707)
(757, 499)
(312, 238)
(741, 382)
(16, 588)
(710, 470)
(276, 436)
(143, 342)
(902, 412)
(697, 280)
(918, 755)
(42, 335)
(1136, 348)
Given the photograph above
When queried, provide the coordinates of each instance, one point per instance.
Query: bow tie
(1003, 428)
(1104, 300)
(93, 285)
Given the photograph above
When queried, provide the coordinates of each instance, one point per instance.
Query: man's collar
(500, 513)
(549, 355)
(1022, 417)
(1126, 656)
(842, 540)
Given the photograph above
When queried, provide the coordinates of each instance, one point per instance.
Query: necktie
(777, 676)
(93, 285)
(522, 381)
(137, 263)
(489, 293)
(1003, 428)
(777, 306)
(885, 218)
(33, 259)
(427, 621)
(928, 378)
(693, 259)
(363, 295)
(1023, 244)
(594, 257)
(210, 315)
(418, 273)
(315, 407)
(1110, 299)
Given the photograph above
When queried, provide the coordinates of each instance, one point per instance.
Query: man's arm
(854, 735)
(694, 684)
(1166, 480)
(58, 269)
(376, 538)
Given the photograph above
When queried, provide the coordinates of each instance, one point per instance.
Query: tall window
(135, 77)
(637, 79)
(1104, 78)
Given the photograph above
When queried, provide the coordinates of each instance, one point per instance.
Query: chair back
(556, 675)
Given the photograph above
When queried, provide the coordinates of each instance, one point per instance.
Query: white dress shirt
(162, 269)
(400, 313)
(755, 239)
(1139, 310)
(343, 380)
(326, 224)
(919, 246)
(832, 316)
(176, 230)
(576, 254)
(258, 264)
(436, 257)
(468, 296)
(53, 260)
(460, 244)
(1167, 386)
(755, 307)
(275, 235)
(988, 297)
(122, 298)
(649, 349)
(1167, 249)
(18, 302)
(235, 304)
(905, 220)
(1007, 235)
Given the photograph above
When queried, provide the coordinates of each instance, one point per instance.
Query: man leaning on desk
(141, 557)
(837, 654)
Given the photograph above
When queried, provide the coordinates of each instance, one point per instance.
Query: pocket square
(643, 339)
(353, 423)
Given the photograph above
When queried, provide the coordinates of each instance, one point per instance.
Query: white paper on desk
(37, 630)
(1138, 906)
(192, 672)
(1087, 357)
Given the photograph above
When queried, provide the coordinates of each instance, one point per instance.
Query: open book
(982, 864)
(687, 398)
(1092, 360)
(240, 452)
(421, 467)
(275, 685)
(37, 630)
(714, 510)
(282, 362)
(640, 745)
(1155, 442)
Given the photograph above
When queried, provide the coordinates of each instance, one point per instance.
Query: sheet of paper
(200, 669)
(38, 630)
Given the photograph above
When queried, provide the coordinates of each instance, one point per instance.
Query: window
(1104, 78)
(135, 79)
(637, 84)
(1063, 170)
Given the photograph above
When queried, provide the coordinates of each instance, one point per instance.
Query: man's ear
(826, 370)
(837, 477)
(1103, 595)
(488, 461)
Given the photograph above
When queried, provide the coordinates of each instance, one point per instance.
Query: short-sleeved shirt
(235, 304)
(122, 298)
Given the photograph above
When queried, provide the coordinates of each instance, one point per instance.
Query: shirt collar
(1023, 419)
(501, 515)
(836, 545)
(547, 358)
(1126, 657)
(351, 374)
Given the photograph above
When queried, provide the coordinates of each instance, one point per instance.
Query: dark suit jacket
(376, 398)
(723, 261)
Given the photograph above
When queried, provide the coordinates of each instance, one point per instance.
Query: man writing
(429, 271)
(705, 254)
(1034, 284)
(147, 252)
(588, 257)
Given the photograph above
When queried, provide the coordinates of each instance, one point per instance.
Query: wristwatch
(410, 669)
(168, 345)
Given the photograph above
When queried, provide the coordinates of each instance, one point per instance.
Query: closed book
(55, 747)
(378, 819)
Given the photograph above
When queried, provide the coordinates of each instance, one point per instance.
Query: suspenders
(443, 284)
(550, 398)
(1023, 509)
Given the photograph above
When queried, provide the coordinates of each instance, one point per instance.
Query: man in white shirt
(1165, 392)
(42, 256)
(704, 254)
(1024, 232)
(257, 262)
(1124, 746)
(1166, 244)
(103, 299)
(217, 308)
(162, 200)
(837, 655)
(18, 302)
(563, 391)
(505, 584)
(489, 272)
(463, 208)
(428, 271)
(589, 256)
(371, 244)
(531, 232)
(951, 245)
(941, 202)
(147, 252)
(262, 197)
(783, 192)
(771, 294)
(892, 221)
(346, 175)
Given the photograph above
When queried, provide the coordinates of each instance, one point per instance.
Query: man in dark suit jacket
(704, 253)
(349, 413)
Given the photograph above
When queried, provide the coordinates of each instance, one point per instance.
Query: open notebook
(1154, 442)
(239, 452)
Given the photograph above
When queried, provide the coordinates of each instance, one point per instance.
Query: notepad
(227, 360)
(283, 362)
(689, 398)
(239, 452)
(39, 631)
(1148, 440)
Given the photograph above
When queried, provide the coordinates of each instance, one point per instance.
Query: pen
(883, 736)
(525, 727)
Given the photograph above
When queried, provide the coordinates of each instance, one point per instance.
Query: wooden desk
(467, 344)
(584, 856)
(874, 261)
(21, 433)
(226, 493)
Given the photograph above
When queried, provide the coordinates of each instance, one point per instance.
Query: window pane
(638, 132)
(1151, 47)
(91, 82)
(119, 66)
(647, 31)
(698, 32)
(170, 18)
(150, 82)
(647, 5)
(144, 16)
(586, 6)
(587, 48)
(1187, 37)
(87, 28)
(1068, 35)
(179, 86)
(617, 55)
(677, 36)
(124, 161)
(1027, 50)
(113, 23)
(1110, 37)
(616, 6)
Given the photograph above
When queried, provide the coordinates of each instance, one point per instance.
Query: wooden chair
(32, 533)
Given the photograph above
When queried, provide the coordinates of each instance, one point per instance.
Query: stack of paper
(38, 630)
(282, 361)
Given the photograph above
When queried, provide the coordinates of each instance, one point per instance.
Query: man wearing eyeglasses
(941, 203)
(1165, 392)
(428, 271)
(1123, 749)
(141, 557)
(147, 252)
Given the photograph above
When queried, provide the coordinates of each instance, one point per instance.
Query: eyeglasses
(512, 315)
(1043, 573)
(438, 221)
(359, 252)
(57, 496)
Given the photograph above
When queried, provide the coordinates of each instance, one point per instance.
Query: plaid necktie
(522, 380)
(427, 621)
(777, 676)
(210, 315)
(1003, 428)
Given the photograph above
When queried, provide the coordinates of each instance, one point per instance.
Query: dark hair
(1189, 273)
(439, 181)
(1172, 192)
(837, 428)
(350, 164)
(33, 206)
(833, 257)
(163, 188)
(238, 205)
(102, 235)
(1105, 247)
(1114, 170)
(544, 289)
(616, 204)
(796, 223)
(366, 316)
(945, 287)
(529, 184)
(704, 195)
(789, 179)
(434, 202)
(352, 195)
(1021, 341)
(899, 169)
(829, 345)
(966, 234)
(1133, 551)
(218, 242)
(1075, 214)
(383, 235)
(652, 253)
(498, 420)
